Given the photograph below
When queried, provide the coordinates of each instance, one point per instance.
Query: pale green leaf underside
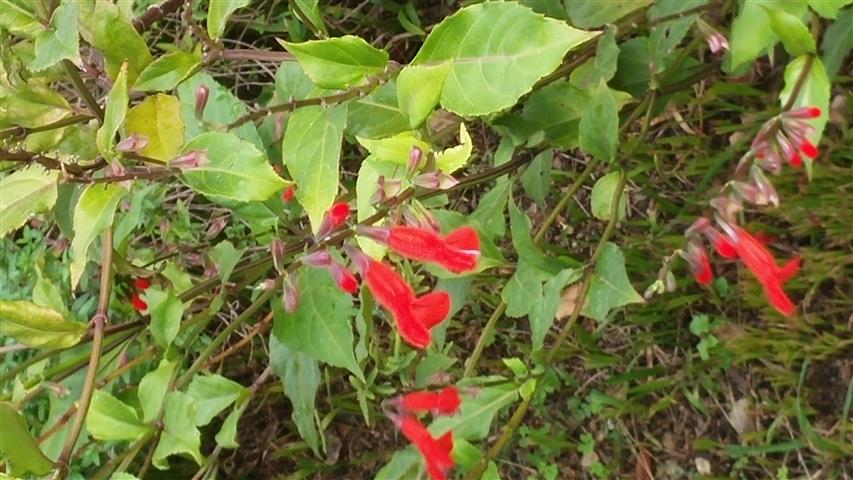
(38, 326)
(24, 193)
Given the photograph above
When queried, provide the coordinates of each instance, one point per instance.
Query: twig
(99, 320)
(154, 13)
(18, 131)
(260, 327)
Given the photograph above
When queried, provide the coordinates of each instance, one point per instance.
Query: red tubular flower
(141, 284)
(697, 258)
(457, 252)
(413, 316)
(721, 244)
(435, 451)
(138, 303)
(335, 217)
(344, 278)
(804, 113)
(445, 402)
(288, 193)
(762, 264)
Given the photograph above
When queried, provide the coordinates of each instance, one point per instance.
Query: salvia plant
(230, 217)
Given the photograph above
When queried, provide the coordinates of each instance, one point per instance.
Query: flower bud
(277, 249)
(189, 160)
(803, 113)
(289, 295)
(727, 206)
(699, 226)
(766, 190)
(415, 157)
(359, 259)
(385, 189)
(320, 258)
(201, 94)
(436, 180)
(134, 143)
(345, 280)
(380, 234)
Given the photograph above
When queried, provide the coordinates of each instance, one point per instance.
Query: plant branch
(798, 85)
(18, 131)
(99, 320)
(155, 12)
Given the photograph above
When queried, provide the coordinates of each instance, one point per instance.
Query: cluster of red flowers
(414, 316)
(139, 285)
(781, 137)
(435, 451)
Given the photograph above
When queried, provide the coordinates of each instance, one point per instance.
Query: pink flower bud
(320, 258)
(435, 180)
(134, 143)
(380, 234)
(766, 191)
(747, 192)
(190, 160)
(700, 225)
(726, 207)
(201, 94)
(359, 259)
(277, 249)
(415, 157)
(385, 189)
(289, 295)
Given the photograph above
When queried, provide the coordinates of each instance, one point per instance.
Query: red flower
(288, 193)
(345, 280)
(444, 402)
(413, 316)
(436, 451)
(141, 284)
(721, 244)
(697, 258)
(138, 303)
(762, 264)
(335, 217)
(457, 252)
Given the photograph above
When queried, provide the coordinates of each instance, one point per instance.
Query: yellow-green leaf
(18, 445)
(116, 39)
(24, 193)
(218, 13)
(114, 115)
(419, 90)
(92, 215)
(394, 149)
(454, 158)
(38, 326)
(167, 71)
(158, 118)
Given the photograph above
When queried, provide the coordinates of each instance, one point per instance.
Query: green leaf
(123, 476)
(111, 419)
(751, 33)
(118, 41)
(311, 150)
(60, 41)
(598, 130)
(490, 211)
(166, 311)
(595, 13)
(320, 327)
(222, 108)
(610, 287)
(300, 377)
(536, 179)
(602, 196)
(114, 114)
(837, 42)
(828, 8)
(152, 389)
(366, 184)
(48, 294)
(338, 62)
(167, 72)
(376, 115)
(18, 446)
(522, 291)
(542, 313)
(395, 149)
(235, 169)
(92, 215)
(180, 434)
(476, 413)
(37, 326)
(225, 257)
(20, 18)
(602, 66)
(24, 193)
(451, 159)
(528, 252)
(213, 394)
(493, 62)
(402, 466)
(227, 435)
(218, 13)
(311, 10)
(419, 90)
(790, 29)
(815, 92)
(158, 118)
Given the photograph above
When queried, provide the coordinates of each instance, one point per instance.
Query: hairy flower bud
(415, 157)
(133, 143)
(190, 160)
(277, 250)
(289, 295)
(435, 180)
(201, 95)
(320, 258)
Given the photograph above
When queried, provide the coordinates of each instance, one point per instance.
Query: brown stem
(18, 131)
(155, 12)
(99, 320)
(260, 327)
(252, 54)
(49, 162)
